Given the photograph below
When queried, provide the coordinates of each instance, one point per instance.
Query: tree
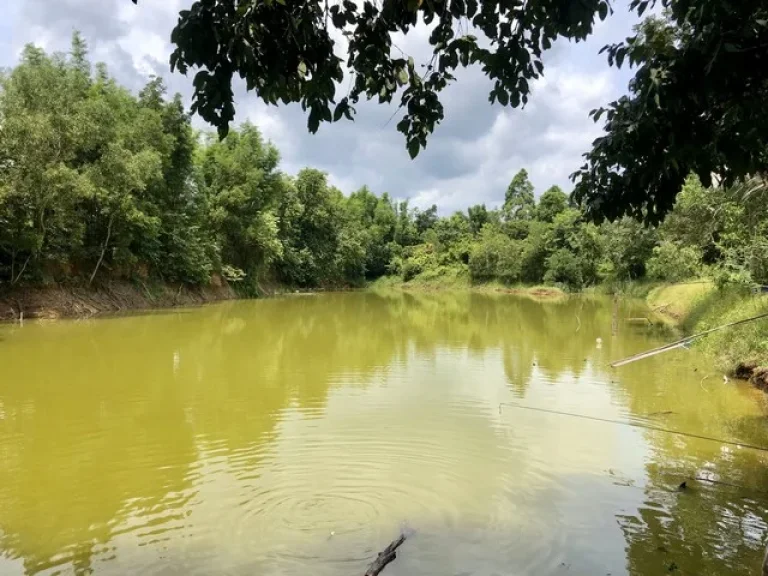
(695, 105)
(406, 233)
(426, 219)
(222, 39)
(239, 176)
(478, 217)
(519, 203)
(627, 246)
(695, 101)
(674, 262)
(495, 256)
(312, 244)
(553, 202)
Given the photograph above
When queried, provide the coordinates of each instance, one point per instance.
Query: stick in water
(385, 557)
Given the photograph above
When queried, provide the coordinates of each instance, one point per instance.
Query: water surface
(300, 435)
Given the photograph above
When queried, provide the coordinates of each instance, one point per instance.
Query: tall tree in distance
(240, 178)
(478, 217)
(519, 203)
(553, 202)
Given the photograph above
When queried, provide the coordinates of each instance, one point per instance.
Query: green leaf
(464, 58)
(402, 76)
(502, 97)
(313, 122)
(602, 10)
(413, 148)
(620, 54)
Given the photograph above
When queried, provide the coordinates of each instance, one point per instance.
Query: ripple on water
(339, 495)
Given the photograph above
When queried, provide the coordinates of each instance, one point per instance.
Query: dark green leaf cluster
(696, 104)
(292, 51)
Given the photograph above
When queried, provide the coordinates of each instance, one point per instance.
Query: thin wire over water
(636, 425)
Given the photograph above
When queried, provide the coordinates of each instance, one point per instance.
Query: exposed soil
(78, 302)
(538, 292)
(757, 375)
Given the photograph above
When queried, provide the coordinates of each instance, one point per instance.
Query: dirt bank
(79, 302)
(754, 373)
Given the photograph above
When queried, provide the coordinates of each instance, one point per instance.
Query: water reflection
(277, 437)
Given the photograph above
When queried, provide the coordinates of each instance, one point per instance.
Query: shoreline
(63, 301)
(688, 307)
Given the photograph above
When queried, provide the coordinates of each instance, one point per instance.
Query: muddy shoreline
(61, 301)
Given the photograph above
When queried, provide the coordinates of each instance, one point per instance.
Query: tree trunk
(103, 250)
(13, 281)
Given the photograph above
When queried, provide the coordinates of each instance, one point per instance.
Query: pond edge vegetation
(111, 201)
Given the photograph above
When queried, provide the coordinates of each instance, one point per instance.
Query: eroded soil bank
(62, 301)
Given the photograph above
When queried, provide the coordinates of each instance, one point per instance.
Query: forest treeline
(98, 183)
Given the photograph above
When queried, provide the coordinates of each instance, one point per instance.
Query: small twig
(662, 413)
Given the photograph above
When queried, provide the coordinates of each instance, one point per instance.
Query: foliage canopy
(695, 103)
(98, 183)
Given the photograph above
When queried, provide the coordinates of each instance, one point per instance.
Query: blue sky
(470, 158)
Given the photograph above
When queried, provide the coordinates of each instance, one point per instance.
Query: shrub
(674, 263)
(495, 256)
(564, 267)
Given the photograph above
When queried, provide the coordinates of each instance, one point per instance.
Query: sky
(471, 157)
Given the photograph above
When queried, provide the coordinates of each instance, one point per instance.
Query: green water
(300, 435)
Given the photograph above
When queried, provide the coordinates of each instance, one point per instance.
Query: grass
(746, 344)
(457, 278)
(698, 306)
(630, 289)
(678, 301)
(441, 278)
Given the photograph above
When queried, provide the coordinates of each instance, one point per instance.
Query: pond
(300, 435)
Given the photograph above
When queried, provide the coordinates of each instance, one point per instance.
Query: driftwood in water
(682, 342)
(385, 557)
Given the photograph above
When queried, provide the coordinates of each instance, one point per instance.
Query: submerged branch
(385, 557)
